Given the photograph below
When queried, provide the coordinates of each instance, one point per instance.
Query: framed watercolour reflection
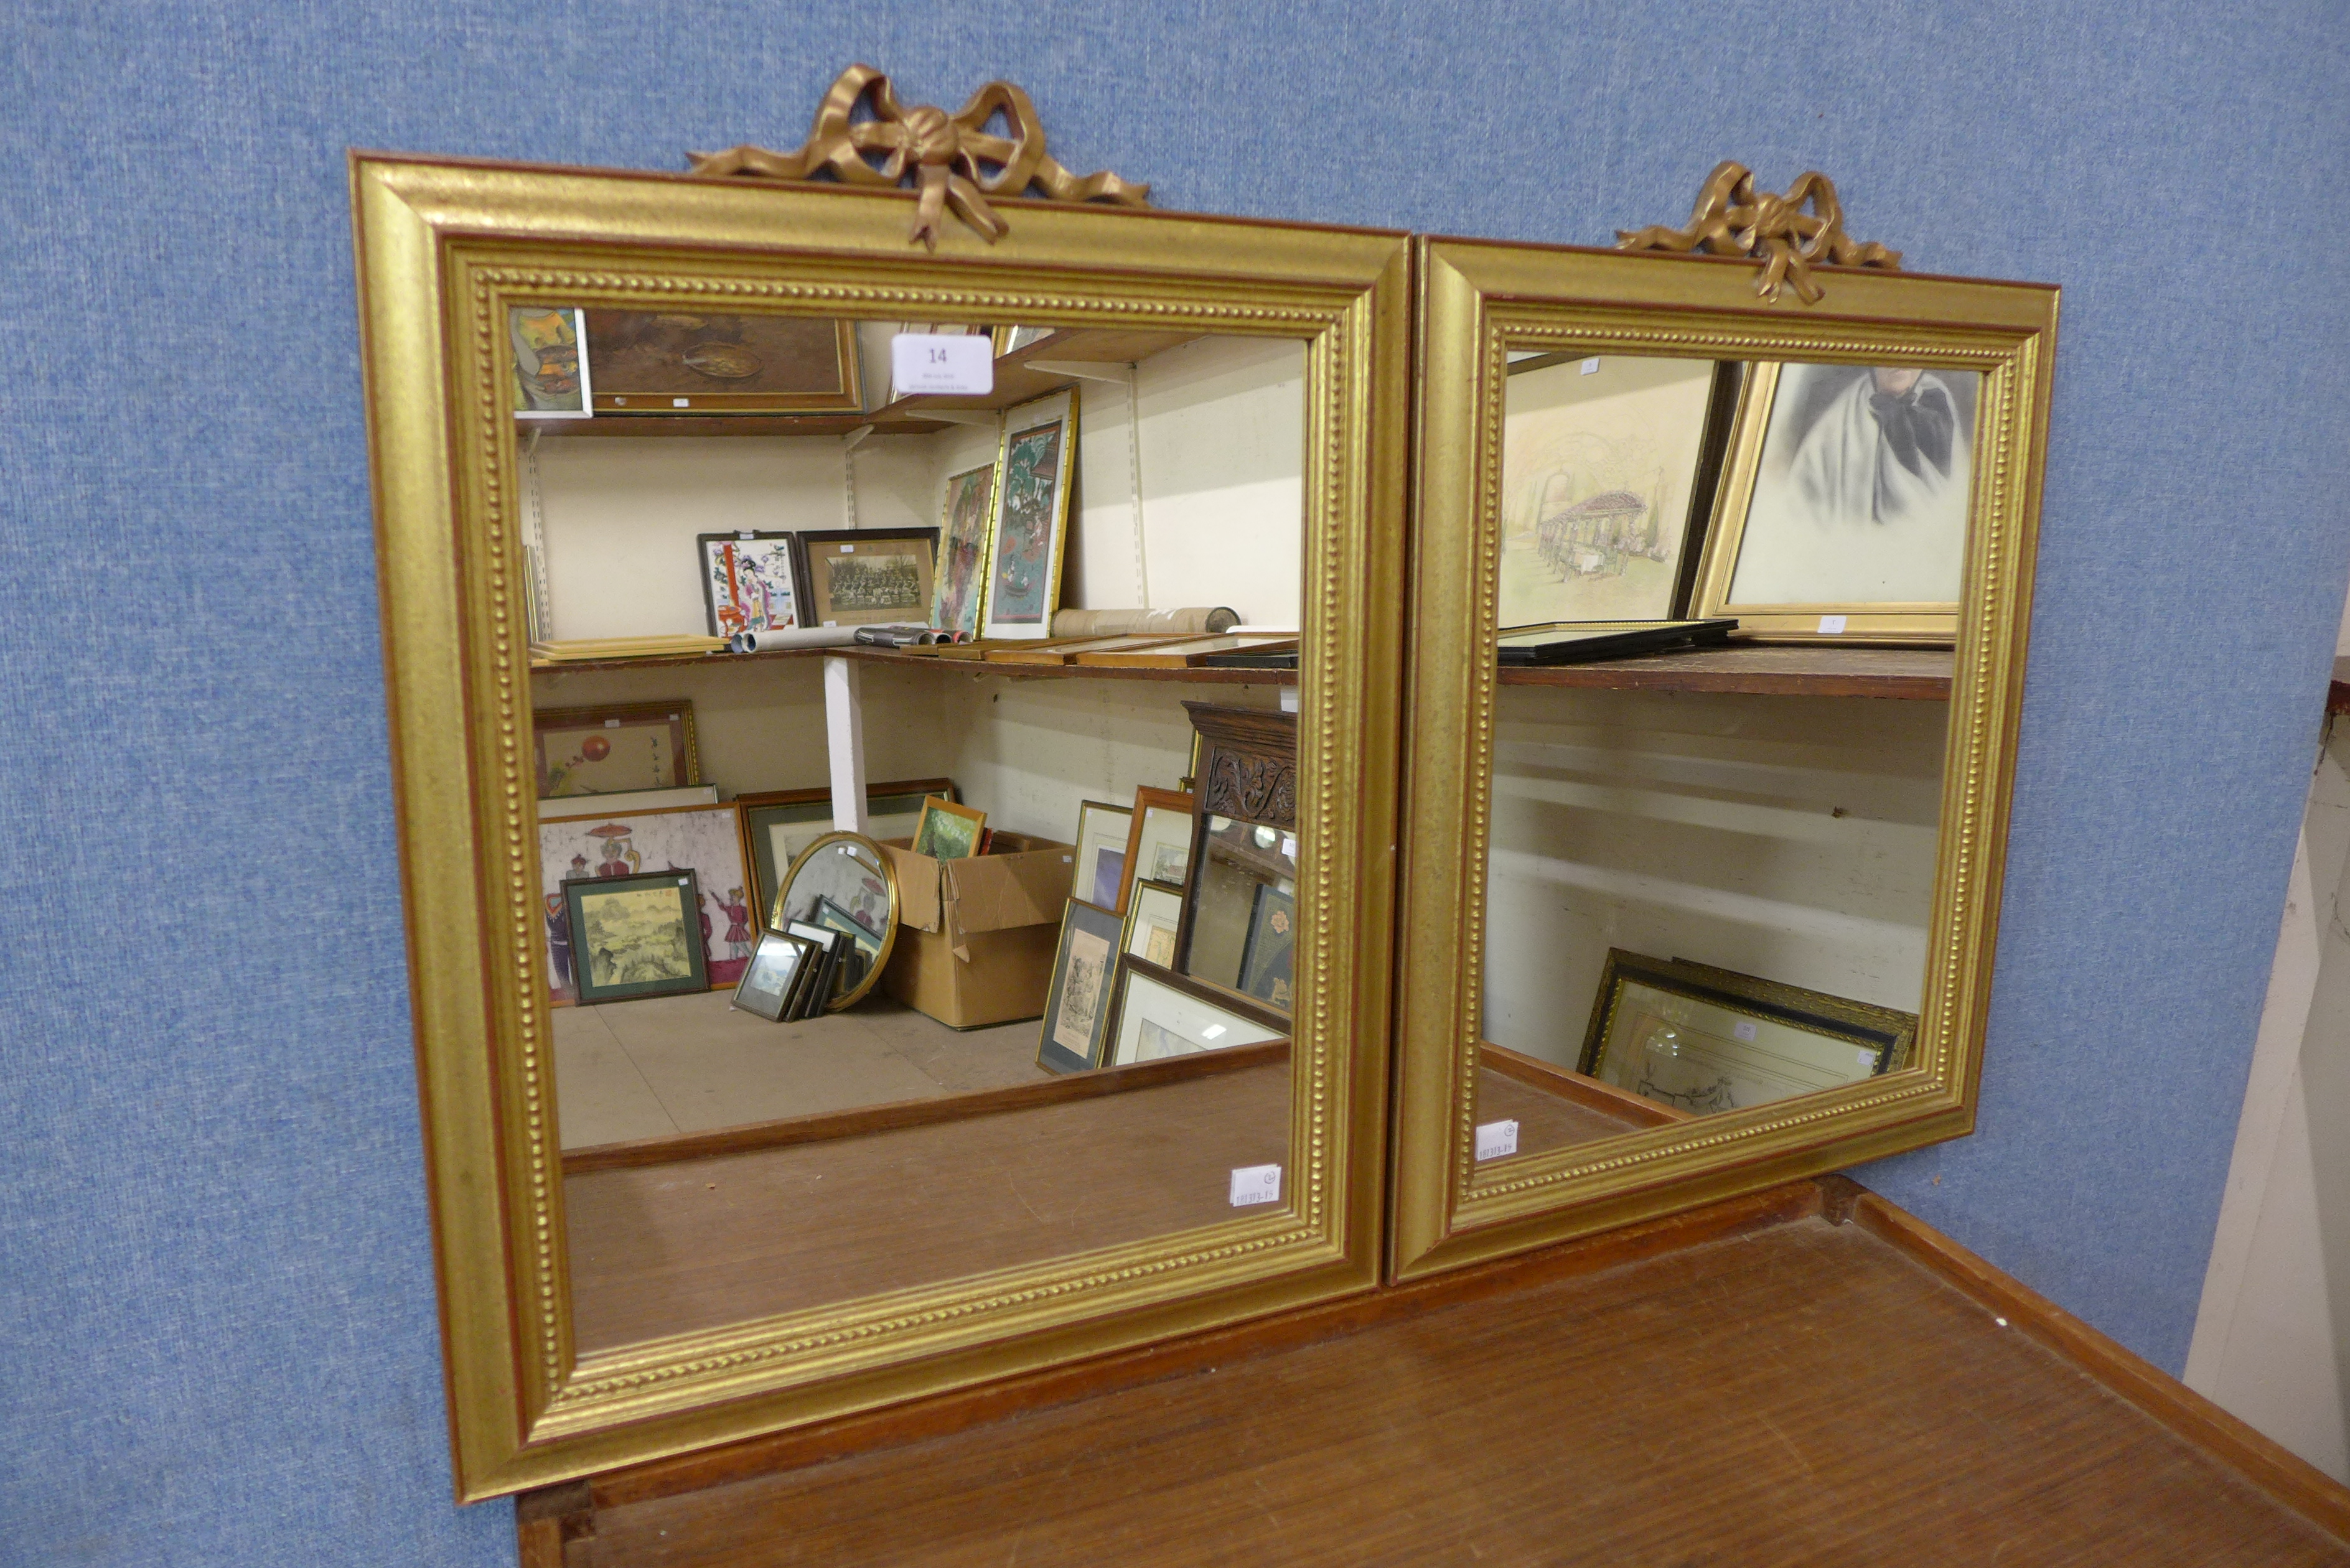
(776, 974)
(867, 576)
(948, 831)
(1154, 915)
(676, 361)
(1029, 519)
(603, 751)
(637, 936)
(1102, 832)
(962, 549)
(746, 582)
(1076, 1008)
(1161, 1013)
(1607, 462)
(1843, 504)
(551, 376)
(1706, 1040)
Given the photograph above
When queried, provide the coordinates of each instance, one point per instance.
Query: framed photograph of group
(867, 576)
(1028, 519)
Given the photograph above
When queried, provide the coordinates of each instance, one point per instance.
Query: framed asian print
(747, 582)
(1607, 468)
(778, 825)
(701, 839)
(1706, 1040)
(1102, 830)
(671, 362)
(867, 576)
(636, 934)
(1028, 522)
(1154, 915)
(776, 971)
(1161, 1013)
(1843, 504)
(1076, 1008)
(962, 549)
(604, 751)
(550, 375)
(948, 831)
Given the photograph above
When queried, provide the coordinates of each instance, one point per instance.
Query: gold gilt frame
(441, 246)
(1478, 299)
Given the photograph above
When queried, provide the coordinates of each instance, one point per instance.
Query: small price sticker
(1496, 1140)
(1743, 1029)
(1591, 367)
(923, 362)
(1256, 1184)
(1832, 625)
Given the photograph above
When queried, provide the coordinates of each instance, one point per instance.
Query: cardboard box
(976, 938)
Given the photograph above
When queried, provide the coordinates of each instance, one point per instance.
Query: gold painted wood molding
(1731, 220)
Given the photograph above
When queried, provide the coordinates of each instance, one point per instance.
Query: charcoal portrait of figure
(1861, 493)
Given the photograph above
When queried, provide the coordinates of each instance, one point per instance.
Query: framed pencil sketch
(1076, 1008)
(1158, 841)
(606, 750)
(776, 973)
(867, 576)
(1028, 522)
(550, 372)
(704, 839)
(1102, 831)
(778, 825)
(636, 934)
(1607, 466)
(673, 362)
(963, 550)
(746, 582)
(1844, 504)
(948, 831)
(1153, 916)
(1706, 1040)
(1161, 1013)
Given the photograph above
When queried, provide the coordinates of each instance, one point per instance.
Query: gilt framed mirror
(663, 1223)
(1691, 924)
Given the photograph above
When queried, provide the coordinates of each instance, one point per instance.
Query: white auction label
(1496, 1139)
(921, 362)
(1831, 624)
(1591, 367)
(1256, 1184)
(1743, 1029)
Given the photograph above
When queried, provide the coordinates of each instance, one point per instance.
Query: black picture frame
(818, 609)
(785, 957)
(1090, 938)
(703, 567)
(586, 896)
(828, 970)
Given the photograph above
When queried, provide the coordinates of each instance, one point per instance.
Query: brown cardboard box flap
(1024, 883)
(918, 885)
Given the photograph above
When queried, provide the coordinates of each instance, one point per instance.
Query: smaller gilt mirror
(843, 884)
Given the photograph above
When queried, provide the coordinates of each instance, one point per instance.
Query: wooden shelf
(1017, 381)
(1912, 673)
(1204, 677)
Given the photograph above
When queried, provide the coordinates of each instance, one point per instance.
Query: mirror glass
(1707, 892)
(932, 1047)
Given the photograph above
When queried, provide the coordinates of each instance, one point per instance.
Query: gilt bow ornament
(1731, 220)
(943, 153)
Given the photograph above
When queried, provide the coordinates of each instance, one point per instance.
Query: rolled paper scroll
(1200, 620)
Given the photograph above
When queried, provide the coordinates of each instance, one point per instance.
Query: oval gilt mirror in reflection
(843, 883)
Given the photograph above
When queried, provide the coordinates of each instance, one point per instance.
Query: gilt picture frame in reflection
(1843, 510)
(1028, 521)
(637, 936)
(963, 550)
(1706, 1041)
(1160, 1014)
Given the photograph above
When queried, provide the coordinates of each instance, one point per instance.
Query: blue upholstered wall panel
(214, 1273)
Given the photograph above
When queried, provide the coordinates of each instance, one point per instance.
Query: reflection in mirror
(887, 1062)
(1700, 901)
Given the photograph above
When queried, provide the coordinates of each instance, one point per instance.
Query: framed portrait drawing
(700, 839)
(746, 582)
(1161, 1013)
(948, 831)
(1158, 841)
(777, 825)
(1076, 1008)
(962, 548)
(777, 972)
(604, 751)
(1706, 1040)
(1029, 519)
(636, 934)
(867, 576)
(1102, 832)
(670, 362)
(1607, 468)
(1843, 509)
(1154, 915)
(551, 376)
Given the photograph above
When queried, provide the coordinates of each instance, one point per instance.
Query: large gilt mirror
(752, 700)
(1721, 598)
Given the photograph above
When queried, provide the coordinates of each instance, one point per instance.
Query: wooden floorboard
(1807, 1393)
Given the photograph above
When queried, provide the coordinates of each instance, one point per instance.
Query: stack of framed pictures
(1111, 1008)
(775, 581)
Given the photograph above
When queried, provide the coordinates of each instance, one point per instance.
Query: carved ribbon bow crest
(946, 155)
(1731, 220)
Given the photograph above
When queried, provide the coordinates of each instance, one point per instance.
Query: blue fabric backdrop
(215, 1272)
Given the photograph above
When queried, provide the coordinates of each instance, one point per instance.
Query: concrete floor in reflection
(662, 1066)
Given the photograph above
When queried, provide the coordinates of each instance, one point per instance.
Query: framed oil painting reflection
(673, 361)
(1843, 509)
(551, 374)
(963, 550)
(1706, 1040)
(1029, 519)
